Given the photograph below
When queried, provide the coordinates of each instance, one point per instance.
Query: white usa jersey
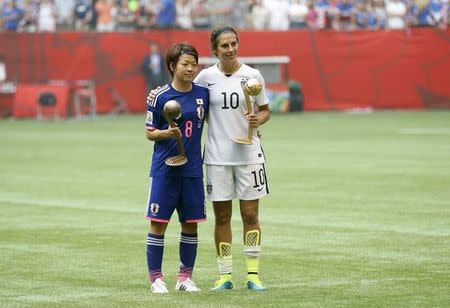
(227, 119)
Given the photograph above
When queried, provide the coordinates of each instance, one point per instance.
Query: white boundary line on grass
(425, 131)
(73, 204)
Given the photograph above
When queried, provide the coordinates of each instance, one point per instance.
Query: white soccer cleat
(186, 285)
(159, 286)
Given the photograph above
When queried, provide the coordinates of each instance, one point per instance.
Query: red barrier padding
(27, 97)
(337, 70)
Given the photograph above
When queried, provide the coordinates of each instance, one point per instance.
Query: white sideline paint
(75, 204)
(425, 131)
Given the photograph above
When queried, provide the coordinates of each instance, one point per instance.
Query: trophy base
(243, 141)
(176, 161)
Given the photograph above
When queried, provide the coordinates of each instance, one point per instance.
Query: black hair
(175, 51)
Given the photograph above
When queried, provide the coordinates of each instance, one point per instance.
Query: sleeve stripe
(162, 90)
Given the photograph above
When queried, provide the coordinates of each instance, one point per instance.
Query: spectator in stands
(124, 18)
(94, 16)
(361, 15)
(105, 21)
(240, 13)
(221, 11)
(184, 10)
(11, 15)
(396, 12)
(412, 14)
(438, 13)
(312, 17)
(278, 14)
(145, 17)
(64, 10)
(379, 11)
(324, 14)
(166, 17)
(259, 16)
(201, 15)
(47, 16)
(82, 15)
(422, 18)
(298, 10)
(28, 23)
(372, 19)
(345, 15)
(153, 68)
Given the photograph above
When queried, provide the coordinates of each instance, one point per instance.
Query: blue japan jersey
(194, 107)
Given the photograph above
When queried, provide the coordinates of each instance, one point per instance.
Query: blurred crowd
(278, 15)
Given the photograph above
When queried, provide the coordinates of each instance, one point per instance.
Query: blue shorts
(185, 194)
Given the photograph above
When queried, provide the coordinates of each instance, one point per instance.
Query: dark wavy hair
(218, 31)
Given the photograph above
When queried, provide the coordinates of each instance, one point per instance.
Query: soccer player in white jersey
(234, 171)
(177, 188)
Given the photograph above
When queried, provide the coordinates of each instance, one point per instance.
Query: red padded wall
(337, 70)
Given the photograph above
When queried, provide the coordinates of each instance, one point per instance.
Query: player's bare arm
(157, 134)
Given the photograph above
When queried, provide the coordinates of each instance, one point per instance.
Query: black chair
(47, 101)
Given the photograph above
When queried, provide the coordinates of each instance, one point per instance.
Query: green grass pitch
(358, 215)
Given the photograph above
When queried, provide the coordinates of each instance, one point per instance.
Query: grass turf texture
(358, 215)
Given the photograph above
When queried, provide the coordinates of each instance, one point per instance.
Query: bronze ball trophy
(251, 87)
(172, 110)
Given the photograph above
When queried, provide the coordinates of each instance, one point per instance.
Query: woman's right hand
(173, 132)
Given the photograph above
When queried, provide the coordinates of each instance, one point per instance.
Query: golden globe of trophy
(251, 87)
(172, 110)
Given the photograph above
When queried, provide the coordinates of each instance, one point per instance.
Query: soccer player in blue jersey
(177, 188)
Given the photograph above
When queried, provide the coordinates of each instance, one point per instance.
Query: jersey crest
(209, 188)
(200, 109)
(154, 208)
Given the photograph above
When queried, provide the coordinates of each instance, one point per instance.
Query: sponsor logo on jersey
(149, 119)
(154, 208)
(210, 83)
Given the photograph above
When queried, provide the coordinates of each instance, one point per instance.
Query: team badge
(209, 188)
(154, 208)
(200, 109)
(200, 112)
(149, 119)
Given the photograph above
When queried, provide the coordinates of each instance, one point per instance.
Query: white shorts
(244, 182)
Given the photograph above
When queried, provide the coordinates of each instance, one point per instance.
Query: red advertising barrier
(337, 70)
(27, 100)
(6, 104)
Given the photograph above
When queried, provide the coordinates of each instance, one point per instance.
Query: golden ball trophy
(172, 110)
(251, 87)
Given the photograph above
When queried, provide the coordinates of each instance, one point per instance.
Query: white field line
(40, 298)
(425, 131)
(74, 204)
